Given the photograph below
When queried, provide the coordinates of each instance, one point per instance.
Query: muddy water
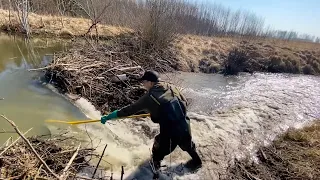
(27, 100)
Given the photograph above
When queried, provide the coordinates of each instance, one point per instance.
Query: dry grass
(269, 55)
(195, 53)
(294, 155)
(57, 25)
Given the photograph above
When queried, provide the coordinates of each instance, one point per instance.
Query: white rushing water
(230, 116)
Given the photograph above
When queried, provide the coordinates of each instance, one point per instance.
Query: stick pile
(19, 161)
(106, 72)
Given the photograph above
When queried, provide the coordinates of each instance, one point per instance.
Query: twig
(4, 131)
(64, 173)
(94, 173)
(247, 173)
(30, 146)
(130, 68)
(82, 177)
(263, 154)
(8, 147)
(36, 176)
(122, 172)
(5, 144)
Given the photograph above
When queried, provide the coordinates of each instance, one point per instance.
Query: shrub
(159, 30)
(307, 69)
(236, 62)
(214, 68)
(276, 65)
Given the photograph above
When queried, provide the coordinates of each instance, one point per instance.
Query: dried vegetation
(294, 155)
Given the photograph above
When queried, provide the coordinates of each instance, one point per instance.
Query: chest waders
(173, 120)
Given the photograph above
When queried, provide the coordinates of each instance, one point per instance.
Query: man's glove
(110, 116)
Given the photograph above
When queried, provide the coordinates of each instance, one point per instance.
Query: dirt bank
(294, 155)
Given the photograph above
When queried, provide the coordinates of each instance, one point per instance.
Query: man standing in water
(167, 107)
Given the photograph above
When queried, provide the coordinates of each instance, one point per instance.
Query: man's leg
(163, 145)
(186, 144)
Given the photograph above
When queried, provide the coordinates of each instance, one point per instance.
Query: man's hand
(108, 117)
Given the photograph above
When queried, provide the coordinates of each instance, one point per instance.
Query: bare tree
(155, 18)
(93, 9)
(21, 7)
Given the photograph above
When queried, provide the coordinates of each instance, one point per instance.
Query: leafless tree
(21, 8)
(155, 18)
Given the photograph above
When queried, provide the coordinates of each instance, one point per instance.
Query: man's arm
(139, 105)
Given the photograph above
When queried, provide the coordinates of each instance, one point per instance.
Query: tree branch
(8, 147)
(30, 146)
(94, 173)
(64, 173)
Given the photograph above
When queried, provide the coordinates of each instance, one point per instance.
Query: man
(167, 107)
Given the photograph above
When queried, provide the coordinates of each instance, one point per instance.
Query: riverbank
(293, 155)
(56, 26)
(228, 55)
(214, 55)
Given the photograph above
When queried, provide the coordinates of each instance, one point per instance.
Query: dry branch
(5, 144)
(122, 172)
(65, 171)
(97, 75)
(54, 150)
(5, 131)
(38, 171)
(95, 170)
(14, 142)
(30, 146)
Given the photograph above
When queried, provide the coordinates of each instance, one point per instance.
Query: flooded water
(27, 100)
(229, 115)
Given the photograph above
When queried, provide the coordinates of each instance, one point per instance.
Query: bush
(307, 69)
(276, 65)
(208, 66)
(159, 30)
(236, 62)
(214, 68)
(316, 66)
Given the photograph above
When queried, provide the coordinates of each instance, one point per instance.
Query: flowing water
(230, 115)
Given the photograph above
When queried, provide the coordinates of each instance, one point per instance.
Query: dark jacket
(160, 93)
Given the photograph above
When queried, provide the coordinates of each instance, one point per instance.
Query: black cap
(152, 76)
